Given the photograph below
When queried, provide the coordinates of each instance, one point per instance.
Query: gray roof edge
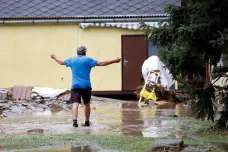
(86, 17)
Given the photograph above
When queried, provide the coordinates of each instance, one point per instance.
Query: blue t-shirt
(80, 67)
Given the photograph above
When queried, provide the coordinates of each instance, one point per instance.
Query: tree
(194, 36)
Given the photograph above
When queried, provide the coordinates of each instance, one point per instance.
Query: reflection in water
(130, 116)
(68, 149)
(182, 111)
(163, 128)
(82, 149)
(117, 118)
(138, 120)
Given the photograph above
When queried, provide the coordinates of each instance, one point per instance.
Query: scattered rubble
(65, 96)
(2, 115)
(20, 92)
(19, 99)
(47, 92)
(56, 107)
(3, 94)
(2, 109)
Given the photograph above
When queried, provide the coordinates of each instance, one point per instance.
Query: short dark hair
(81, 50)
(81, 53)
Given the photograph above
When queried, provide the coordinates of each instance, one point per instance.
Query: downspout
(106, 20)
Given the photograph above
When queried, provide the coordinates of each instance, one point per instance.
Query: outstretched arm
(105, 63)
(53, 56)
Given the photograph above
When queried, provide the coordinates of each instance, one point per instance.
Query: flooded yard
(117, 118)
(118, 123)
(67, 149)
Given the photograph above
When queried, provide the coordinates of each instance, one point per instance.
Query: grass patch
(195, 132)
(99, 142)
(108, 142)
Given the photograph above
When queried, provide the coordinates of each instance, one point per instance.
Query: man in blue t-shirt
(81, 86)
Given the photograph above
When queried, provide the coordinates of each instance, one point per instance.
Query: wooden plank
(19, 91)
(15, 89)
(23, 92)
(28, 92)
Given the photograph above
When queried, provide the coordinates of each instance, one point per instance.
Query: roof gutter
(90, 20)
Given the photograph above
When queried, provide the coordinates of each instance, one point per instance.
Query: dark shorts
(77, 94)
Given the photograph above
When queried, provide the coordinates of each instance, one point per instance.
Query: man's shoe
(75, 123)
(86, 124)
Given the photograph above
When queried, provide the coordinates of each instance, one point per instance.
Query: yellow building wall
(25, 54)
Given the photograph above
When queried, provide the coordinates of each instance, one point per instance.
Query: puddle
(117, 118)
(66, 149)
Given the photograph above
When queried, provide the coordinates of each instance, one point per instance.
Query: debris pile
(47, 92)
(158, 82)
(3, 94)
(162, 93)
(19, 99)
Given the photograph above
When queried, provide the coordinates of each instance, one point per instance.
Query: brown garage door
(134, 53)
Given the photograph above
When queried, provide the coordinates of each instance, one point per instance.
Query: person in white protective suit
(154, 63)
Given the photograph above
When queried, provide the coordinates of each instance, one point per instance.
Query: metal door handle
(125, 62)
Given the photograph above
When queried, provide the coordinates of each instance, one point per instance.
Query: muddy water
(117, 118)
(67, 149)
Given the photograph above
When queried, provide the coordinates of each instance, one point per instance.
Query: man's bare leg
(75, 114)
(87, 111)
(87, 115)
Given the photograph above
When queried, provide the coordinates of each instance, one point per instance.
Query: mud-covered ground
(113, 117)
(122, 121)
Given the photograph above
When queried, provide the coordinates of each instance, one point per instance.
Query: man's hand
(117, 60)
(53, 56)
(105, 63)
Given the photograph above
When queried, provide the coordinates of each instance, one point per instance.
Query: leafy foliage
(195, 34)
(204, 108)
